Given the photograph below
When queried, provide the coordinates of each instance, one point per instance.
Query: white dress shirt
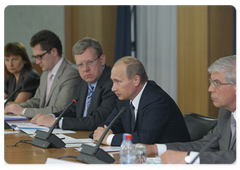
(135, 103)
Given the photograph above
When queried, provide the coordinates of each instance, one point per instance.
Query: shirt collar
(56, 67)
(234, 114)
(136, 100)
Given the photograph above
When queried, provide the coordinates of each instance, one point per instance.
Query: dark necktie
(132, 116)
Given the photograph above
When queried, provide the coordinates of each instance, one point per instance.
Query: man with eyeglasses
(96, 100)
(59, 80)
(223, 151)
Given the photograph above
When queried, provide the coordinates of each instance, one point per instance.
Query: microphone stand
(6, 125)
(16, 90)
(48, 139)
(215, 138)
(96, 155)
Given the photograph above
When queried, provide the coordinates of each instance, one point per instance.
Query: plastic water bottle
(127, 150)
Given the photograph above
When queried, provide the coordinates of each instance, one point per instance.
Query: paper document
(30, 128)
(59, 161)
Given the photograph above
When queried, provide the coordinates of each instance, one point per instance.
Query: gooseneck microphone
(214, 139)
(15, 91)
(94, 154)
(48, 139)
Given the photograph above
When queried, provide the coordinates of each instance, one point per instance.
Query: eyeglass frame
(91, 62)
(39, 57)
(216, 84)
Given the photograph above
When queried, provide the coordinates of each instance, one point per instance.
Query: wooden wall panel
(98, 22)
(205, 33)
(192, 59)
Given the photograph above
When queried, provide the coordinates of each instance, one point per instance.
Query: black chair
(199, 125)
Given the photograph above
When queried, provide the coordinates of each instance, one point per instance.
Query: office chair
(199, 125)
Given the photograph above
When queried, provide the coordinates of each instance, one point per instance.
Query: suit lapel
(82, 93)
(43, 88)
(56, 80)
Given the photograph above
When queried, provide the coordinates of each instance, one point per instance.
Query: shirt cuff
(161, 148)
(193, 155)
(60, 123)
(24, 111)
(109, 139)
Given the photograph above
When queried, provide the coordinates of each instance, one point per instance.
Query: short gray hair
(225, 65)
(84, 43)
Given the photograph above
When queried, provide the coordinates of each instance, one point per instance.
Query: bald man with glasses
(59, 80)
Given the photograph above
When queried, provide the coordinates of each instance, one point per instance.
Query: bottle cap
(128, 137)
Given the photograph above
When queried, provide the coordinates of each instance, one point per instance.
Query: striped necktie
(90, 93)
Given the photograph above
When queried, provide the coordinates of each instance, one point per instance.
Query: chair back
(199, 125)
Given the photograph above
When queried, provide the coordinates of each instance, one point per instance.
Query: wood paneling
(98, 22)
(203, 37)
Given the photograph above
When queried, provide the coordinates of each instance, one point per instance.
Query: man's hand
(35, 118)
(98, 133)
(43, 120)
(14, 108)
(173, 157)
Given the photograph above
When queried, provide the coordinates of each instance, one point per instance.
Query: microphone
(214, 139)
(15, 91)
(94, 154)
(48, 139)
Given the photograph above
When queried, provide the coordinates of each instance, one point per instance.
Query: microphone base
(101, 157)
(42, 141)
(6, 125)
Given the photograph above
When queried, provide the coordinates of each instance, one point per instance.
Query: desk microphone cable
(67, 156)
(21, 141)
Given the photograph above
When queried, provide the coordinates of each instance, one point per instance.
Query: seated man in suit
(153, 116)
(58, 82)
(96, 100)
(223, 94)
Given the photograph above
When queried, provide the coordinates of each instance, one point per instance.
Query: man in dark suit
(59, 80)
(96, 100)
(154, 117)
(223, 94)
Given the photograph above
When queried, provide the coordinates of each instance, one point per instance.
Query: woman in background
(19, 69)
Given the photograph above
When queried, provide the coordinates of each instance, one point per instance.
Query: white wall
(22, 22)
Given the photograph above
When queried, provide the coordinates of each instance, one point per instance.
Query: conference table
(25, 153)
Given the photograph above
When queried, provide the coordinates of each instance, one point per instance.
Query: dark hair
(47, 40)
(17, 48)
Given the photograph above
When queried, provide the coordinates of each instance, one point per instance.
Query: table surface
(29, 154)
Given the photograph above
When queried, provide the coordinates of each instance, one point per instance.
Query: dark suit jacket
(219, 152)
(102, 104)
(63, 90)
(159, 119)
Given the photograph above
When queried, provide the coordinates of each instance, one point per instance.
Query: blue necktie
(90, 93)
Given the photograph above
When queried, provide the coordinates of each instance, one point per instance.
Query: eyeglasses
(216, 84)
(88, 63)
(39, 57)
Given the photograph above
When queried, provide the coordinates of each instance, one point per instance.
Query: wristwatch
(187, 158)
